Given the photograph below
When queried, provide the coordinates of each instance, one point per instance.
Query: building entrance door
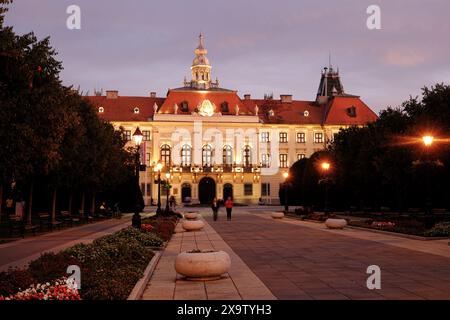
(206, 190)
(227, 191)
(186, 193)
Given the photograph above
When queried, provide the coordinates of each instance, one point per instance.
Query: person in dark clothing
(215, 208)
(229, 207)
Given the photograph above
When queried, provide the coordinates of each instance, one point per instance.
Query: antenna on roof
(329, 60)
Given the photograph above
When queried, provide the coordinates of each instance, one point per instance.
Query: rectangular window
(265, 160)
(301, 156)
(283, 160)
(149, 191)
(127, 135)
(248, 189)
(265, 189)
(301, 137)
(265, 137)
(283, 137)
(148, 160)
(146, 135)
(318, 137)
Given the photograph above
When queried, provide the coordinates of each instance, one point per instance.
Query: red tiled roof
(195, 97)
(334, 113)
(337, 112)
(287, 113)
(122, 108)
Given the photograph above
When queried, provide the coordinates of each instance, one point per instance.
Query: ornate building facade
(215, 143)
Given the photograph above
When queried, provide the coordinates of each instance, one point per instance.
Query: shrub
(441, 229)
(147, 239)
(14, 280)
(113, 284)
(113, 264)
(50, 266)
(110, 267)
(163, 227)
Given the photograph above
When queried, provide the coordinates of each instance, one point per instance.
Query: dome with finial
(200, 53)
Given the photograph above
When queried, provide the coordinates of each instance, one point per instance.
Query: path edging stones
(138, 290)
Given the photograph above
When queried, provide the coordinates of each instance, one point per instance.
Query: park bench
(69, 218)
(45, 220)
(18, 226)
(87, 218)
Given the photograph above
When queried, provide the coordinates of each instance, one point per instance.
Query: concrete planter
(193, 225)
(277, 215)
(336, 223)
(203, 266)
(191, 215)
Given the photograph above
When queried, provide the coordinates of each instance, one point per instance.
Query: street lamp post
(428, 142)
(136, 220)
(286, 203)
(167, 211)
(158, 168)
(325, 168)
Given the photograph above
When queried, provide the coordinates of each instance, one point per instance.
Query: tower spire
(201, 68)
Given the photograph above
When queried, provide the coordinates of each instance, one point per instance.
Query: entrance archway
(227, 191)
(186, 193)
(206, 190)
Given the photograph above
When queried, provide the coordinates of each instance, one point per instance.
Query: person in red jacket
(229, 207)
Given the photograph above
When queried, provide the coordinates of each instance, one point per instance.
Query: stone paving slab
(439, 247)
(239, 284)
(298, 260)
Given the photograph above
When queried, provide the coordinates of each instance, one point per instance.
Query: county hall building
(215, 143)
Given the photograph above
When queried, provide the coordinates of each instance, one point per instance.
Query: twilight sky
(255, 46)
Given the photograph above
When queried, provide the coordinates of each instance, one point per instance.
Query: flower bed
(110, 266)
(62, 289)
(163, 227)
(424, 226)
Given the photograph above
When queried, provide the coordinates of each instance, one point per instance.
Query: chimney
(286, 98)
(247, 96)
(112, 94)
(153, 94)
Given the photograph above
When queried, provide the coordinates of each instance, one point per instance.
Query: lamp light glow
(137, 137)
(428, 140)
(325, 166)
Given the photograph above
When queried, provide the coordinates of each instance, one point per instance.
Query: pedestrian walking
(215, 208)
(229, 207)
(172, 203)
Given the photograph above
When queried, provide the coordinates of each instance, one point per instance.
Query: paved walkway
(239, 283)
(298, 260)
(19, 253)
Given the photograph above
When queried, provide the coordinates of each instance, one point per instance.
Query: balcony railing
(216, 168)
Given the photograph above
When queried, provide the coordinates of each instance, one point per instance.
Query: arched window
(227, 155)
(247, 156)
(101, 110)
(165, 155)
(136, 110)
(186, 155)
(224, 107)
(184, 106)
(207, 155)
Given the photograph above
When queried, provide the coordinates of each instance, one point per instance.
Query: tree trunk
(54, 205)
(93, 204)
(82, 204)
(30, 203)
(70, 201)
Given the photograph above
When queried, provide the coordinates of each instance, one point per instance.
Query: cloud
(404, 58)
